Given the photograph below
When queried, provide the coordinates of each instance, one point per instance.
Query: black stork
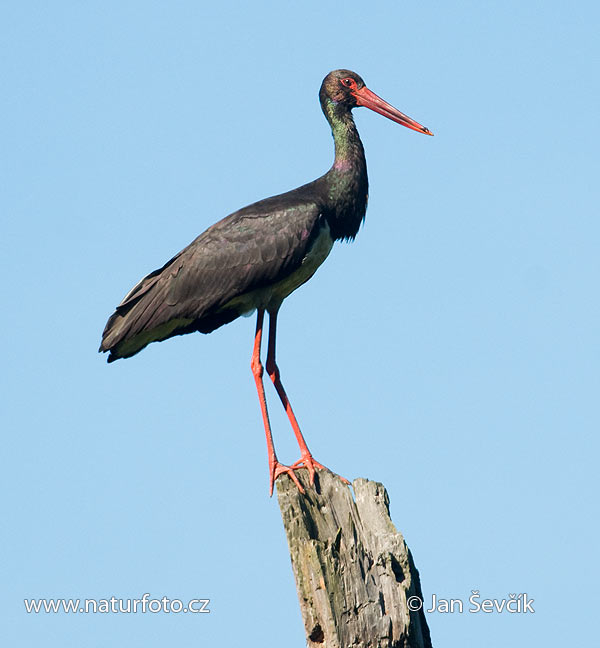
(254, 258)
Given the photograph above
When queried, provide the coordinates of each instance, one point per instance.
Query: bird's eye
(348, 82)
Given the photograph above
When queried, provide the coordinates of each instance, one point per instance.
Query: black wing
(250, 249)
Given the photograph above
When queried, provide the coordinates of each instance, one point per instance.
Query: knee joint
(272, 370)
(257, 368)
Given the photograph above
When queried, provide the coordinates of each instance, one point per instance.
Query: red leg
(275, 468)
(306, 457)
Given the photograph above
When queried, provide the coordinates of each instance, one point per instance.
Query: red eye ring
(348, 82)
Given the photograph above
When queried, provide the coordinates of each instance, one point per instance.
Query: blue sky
(451, 352)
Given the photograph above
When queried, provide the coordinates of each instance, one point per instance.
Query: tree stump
(354, 573)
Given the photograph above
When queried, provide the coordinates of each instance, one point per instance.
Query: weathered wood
(354, 572)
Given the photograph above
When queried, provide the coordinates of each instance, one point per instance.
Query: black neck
(345, 184)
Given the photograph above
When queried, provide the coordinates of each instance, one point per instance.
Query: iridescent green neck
(349, 152)
(345, 185)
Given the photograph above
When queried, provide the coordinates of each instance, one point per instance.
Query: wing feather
(246, 251)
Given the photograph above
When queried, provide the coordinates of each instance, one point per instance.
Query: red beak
(364, 97)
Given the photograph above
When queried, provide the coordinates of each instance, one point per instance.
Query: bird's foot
(277, 469)
(306, 461)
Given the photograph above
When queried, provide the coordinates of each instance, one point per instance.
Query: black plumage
(250, 250)
(254, 258)
(254, 248)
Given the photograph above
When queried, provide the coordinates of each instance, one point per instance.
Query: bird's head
(346, 90)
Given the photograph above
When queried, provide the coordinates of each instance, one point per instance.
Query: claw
(312, 465)
(306, 461)
(280, 469)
